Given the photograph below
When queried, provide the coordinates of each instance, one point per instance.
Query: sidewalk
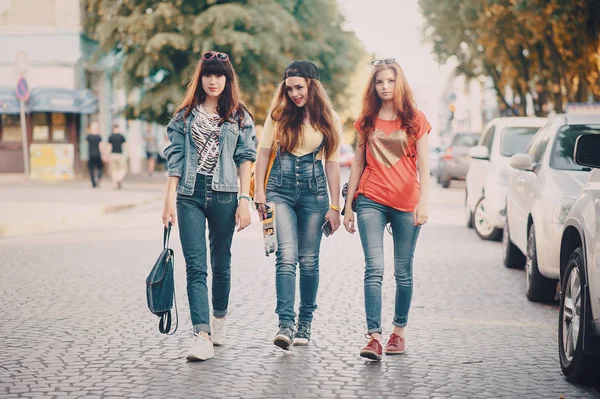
(33, 207)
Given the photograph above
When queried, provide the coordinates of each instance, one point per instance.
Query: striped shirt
(205, 132)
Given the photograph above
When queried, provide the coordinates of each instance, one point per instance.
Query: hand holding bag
(160, 287)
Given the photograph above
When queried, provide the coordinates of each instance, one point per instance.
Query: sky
(393, 29)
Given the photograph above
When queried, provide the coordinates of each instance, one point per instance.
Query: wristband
(247, 197)
(336, 208)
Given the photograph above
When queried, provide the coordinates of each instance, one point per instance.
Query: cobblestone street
(75, 321)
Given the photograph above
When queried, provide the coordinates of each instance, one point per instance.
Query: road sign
(22, 90)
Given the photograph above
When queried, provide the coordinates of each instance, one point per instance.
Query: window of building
(59, 127)
(41, 126)
(49, 127)
(10, 129)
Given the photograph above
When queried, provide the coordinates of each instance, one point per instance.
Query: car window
(516, 139)
(488, 139)
(465, 139)
(564, 146)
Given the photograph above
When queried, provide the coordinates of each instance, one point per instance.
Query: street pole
(24, 139)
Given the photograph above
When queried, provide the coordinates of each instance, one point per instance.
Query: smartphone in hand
(326, 228)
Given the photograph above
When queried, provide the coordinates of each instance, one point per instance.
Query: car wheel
(575, 364)
(511, 254)
(468, 213)
(483, 225)
(538, 288)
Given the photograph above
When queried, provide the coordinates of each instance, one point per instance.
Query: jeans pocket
(224, 198)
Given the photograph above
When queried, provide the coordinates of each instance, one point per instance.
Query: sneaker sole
(391, 353)
(301, 342)
(282, 342)
(370, 355)
(194, 358)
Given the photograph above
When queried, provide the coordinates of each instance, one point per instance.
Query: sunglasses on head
(209, 55)
(381, 62)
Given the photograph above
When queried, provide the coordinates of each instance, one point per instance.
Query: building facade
(42, 41)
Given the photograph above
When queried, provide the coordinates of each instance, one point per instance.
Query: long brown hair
(229, 100)
(290, 118)
(404, 104)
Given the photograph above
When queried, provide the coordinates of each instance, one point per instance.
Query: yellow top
(311, 139)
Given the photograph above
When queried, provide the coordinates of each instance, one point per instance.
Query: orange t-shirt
(390, 176)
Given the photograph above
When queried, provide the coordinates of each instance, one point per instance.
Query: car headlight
(561, 210)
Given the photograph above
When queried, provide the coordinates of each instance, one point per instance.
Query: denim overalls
(298, 187)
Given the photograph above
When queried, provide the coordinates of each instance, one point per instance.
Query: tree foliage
(549, 48)
(158, 44)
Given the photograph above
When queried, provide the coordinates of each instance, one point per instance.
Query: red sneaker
(372, 350)
(395, 345)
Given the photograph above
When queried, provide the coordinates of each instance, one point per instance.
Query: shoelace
(202, 337)
(289, 331)
(303, 330)
(395, 340)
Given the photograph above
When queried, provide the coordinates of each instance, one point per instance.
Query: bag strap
(166, 237)
(164, 324)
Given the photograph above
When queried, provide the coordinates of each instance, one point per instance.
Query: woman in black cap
(302, 128)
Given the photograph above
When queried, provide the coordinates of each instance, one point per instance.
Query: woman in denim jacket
(302, 128)
(212, 141)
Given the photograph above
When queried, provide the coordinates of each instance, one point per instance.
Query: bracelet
(247, 197)
(336, 208)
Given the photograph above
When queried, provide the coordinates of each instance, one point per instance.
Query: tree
(160, 42)
(547, 48)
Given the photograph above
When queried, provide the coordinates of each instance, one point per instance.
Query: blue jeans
(218, 209)
(298, 187)
(372, 218)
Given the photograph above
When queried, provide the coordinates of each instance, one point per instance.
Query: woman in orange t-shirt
(389, 181)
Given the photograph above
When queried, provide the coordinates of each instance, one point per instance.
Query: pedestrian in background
(95, 164)
(118, 156)
(212, 142)
(151, 149)
(302, 128)
(388, 187)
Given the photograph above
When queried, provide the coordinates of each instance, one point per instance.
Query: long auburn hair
(290, 117)
(404, 103)
(229, 103)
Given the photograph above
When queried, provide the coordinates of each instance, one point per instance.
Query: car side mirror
(522, 162)
(587, 150)
(479, 152)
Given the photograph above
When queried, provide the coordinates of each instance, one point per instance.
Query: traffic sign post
(23, 95)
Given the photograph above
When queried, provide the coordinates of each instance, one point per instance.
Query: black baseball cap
(303, 69)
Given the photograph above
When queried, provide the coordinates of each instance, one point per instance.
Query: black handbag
(160, 287)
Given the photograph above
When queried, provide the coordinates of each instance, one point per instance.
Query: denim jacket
(237, 144)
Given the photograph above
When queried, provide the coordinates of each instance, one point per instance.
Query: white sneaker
(219, 331)
(202, 348)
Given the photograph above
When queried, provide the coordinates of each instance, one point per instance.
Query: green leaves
(160, 43)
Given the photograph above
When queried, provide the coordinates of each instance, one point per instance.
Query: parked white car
(542, 190)
(489, 172)
(579, 312)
